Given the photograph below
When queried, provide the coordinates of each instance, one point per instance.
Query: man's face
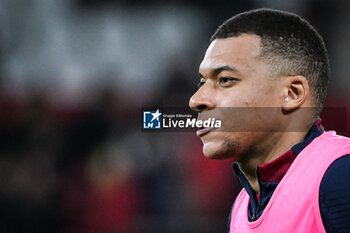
(233, 74)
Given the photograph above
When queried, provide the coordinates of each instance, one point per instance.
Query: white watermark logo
(151, 119)
(158, 120)
(191, 123)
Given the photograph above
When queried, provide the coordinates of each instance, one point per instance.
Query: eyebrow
(218, 70)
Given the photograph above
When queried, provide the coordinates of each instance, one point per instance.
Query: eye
(226, 81)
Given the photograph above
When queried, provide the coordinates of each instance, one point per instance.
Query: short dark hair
(290, 45)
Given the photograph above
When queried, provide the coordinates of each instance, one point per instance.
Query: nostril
(201, 107)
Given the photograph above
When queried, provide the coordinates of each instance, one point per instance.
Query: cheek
(266, 95)
(235, 97)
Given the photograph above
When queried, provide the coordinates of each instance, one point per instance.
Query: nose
(202, 100)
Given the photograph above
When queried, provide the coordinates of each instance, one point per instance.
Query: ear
(295, 92)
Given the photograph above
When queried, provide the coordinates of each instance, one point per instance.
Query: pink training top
(294, 206)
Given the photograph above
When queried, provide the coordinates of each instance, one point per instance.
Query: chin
(211, 150)
(220, 149)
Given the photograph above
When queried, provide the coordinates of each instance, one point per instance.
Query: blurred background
(74, 75)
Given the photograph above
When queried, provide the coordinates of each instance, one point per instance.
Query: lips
(202, 132)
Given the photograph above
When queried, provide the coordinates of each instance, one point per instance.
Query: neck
(270, 149)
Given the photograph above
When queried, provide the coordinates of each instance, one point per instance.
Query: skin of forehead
(233, 48)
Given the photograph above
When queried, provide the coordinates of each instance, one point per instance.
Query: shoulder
(334, 196)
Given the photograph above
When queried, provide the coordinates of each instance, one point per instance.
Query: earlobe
(296, 92)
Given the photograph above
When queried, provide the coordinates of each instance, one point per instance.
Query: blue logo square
(151, 119)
